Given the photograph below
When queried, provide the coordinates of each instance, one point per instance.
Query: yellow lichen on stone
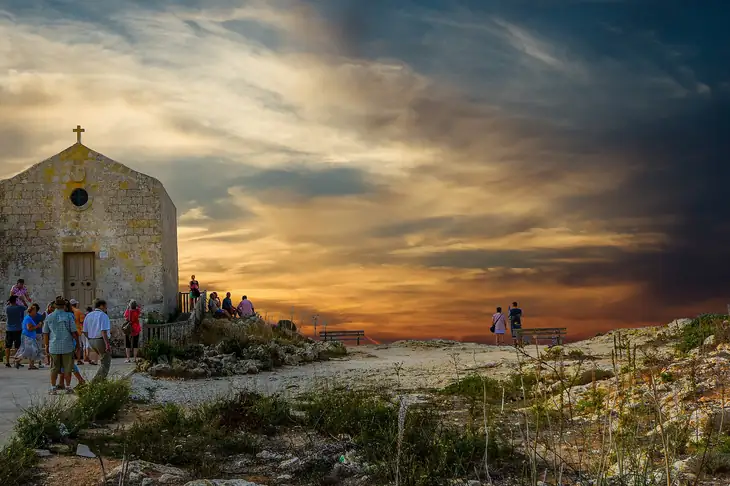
(39, 225)
(77, 153)
(124, 185)
(139, 278)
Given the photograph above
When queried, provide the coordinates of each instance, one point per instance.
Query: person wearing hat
(60, 337)
(79, 320)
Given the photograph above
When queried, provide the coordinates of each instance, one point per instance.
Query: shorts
(62, 361)
(195, 294)
(131, 342)
(12, 339)
(84, 342)
(219, 312)
(75, 369)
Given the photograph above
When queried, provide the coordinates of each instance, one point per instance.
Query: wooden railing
(177, 332)
(183, 301)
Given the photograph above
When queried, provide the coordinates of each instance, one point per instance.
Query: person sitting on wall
(228, 305)
(214, 306)
(245, 307)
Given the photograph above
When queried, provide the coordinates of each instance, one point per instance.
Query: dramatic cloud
(400, 167)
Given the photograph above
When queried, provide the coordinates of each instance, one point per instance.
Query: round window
(79, 197)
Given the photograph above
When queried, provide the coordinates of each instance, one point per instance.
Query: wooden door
(80, 278)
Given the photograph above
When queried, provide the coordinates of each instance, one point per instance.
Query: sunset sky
(404, 167)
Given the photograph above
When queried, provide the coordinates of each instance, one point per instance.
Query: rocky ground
(622, 398)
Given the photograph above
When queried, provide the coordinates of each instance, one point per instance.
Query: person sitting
(228, 305)
(245, 307)
(214, 306)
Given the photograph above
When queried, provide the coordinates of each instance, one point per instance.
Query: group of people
(63, 336)
(499, 323)
(221, 309)
(225, 309)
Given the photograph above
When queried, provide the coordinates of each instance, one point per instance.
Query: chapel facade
(84, 226)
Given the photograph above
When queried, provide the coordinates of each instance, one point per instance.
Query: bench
(342, 336)
(554, 333)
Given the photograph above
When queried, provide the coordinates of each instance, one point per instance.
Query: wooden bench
(554, 333)
(342, 336)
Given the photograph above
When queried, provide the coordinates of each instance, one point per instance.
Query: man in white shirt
(96, 329)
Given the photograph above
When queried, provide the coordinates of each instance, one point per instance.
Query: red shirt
(132, 315)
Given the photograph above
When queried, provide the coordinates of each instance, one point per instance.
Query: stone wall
(129, 223)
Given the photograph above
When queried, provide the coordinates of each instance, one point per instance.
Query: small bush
(431, 451)
(694, 334)
(199, 439)
(474, 386)
(17, 463)
(102, 401)
(46, 422)
(593, 402)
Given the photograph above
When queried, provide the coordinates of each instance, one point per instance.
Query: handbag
(494, 323)
(127, 328)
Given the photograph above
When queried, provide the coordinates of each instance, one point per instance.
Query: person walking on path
(500, 326)
(60, 336)
(96, 329)
(20, 291)
(29, 347)
(15, 313)
(79, 320)
(131, 340)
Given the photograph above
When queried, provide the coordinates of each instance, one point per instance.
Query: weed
(594, 401)
(694, 334)
(102, 401)
(17, 463)
(200, 439)
(46, 422)
(431, 451)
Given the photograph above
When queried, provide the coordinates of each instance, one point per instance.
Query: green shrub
(103, 400)
(246, 410)
(473, 387)
(48, 421)
(592, 402)
(196, 439)
(694, 334)
(432, 451)
(17, 463)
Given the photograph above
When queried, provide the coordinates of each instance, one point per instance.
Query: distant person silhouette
(515, 321)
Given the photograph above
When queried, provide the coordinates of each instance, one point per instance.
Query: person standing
(132, 340)
(194, 292)
(15, 313)
(60, 336)
(79, 321)
(515, 321)
(245, 307)
(20, 291)
(39, 318)
(500, 326)
(96, 329)
(29, 348)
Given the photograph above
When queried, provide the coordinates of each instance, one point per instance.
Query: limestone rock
(221, 482)
(139, 471)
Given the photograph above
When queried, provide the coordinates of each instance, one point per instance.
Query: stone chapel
(84, 226)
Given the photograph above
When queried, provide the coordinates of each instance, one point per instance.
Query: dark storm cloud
(681, 167)
(458, 226)
(306, 182)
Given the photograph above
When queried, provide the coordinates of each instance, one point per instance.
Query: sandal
(92, 363)
(33, 367)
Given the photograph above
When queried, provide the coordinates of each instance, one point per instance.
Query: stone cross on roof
(78, 131)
